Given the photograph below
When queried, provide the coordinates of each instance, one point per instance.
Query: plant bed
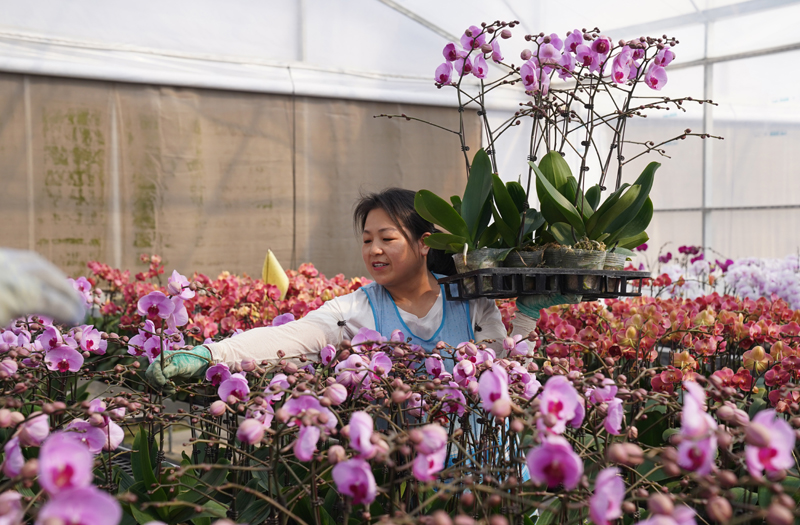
(514, 282)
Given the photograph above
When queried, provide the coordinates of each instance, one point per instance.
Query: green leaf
(651, 431)
(606, 218)
(549, 515)
(551, 197)
(563, 233)
(645, 182)
(479, 186)
(555, 169)
(489, 236)
(508, 234)
(791, 485)
(533, 220)
(436, 210)
(637, 225)
(505, 205)
(213, 478)
(443, 241)
(758, 405)
(143, 516)
(486, 218)
(593, 195)
(455, 200)
(607, 204)
(633, 242)
(517, 193)
(140, 460)
(574, 194)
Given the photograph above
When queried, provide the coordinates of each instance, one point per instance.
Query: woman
(405, 296)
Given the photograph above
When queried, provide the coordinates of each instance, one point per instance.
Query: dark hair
(398, 203)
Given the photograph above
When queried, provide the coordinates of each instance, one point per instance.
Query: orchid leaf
(555, 169)
(621, 206)
(533, 220)
(607, 204)
(479, 187)
(455, 200)
(517, 193)
(550, 197)
(443, 241)
(508, 234)
(438, 211)
(564, 233)
(645, 182)
(633, 242)
(573, 194)
(637, 225)
(486, 218)
(593, 195)
(505, 205)
(489, 236)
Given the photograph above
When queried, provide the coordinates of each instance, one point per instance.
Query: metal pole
(708, 128)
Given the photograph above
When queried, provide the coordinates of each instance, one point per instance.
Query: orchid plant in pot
(580, 99)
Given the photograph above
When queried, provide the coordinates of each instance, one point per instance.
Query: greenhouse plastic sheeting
(207, 179)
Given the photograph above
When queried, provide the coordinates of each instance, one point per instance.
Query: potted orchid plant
(579, 87)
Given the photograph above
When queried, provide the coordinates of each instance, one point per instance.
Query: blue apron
(456, 324)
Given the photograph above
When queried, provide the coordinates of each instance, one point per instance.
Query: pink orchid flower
(306, 443)
(605, 505)
(179, 285)
(361, 428)
(777, 455)
(554, 463)
(218, 373)
(493, 387)
(354, 478)
(81, 506)
(235, 386)
(427, 466)
(475, 39)
(559, 403)
(655, 77)
(443, 73)
(250, 431)
(155, 304)
(64, 464)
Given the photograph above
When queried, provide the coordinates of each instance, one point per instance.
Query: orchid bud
(505, 34)
(517, 426)
(757, 435)
(526, 54)
(724, 439)
(660, 504)
(727, 479)
(719, 509)
(251, 431)
(633, 433)
(282, 415)
(217, 408)
(777, 514)
(5, 418)
(741, 417)
(472, 388)
(501, 408)
(337, 393)
(486, 48)
(441, 517)
(248, 365)
(96, 420)
(290, 368)
(463, 519)
(336, 454)
(725, 412)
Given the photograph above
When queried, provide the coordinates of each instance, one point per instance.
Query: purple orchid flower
(34, 430)
(655, 77)
(364, 336)
(11, 508)
(13, 458)
(554, 463)
(92, 437)
(530, 77)
(354, 478)
(777, 454)
(218, 373)
(443, 73)
(178, 285)
(8, 367)
(479, 67)
(64, 464)
(585, 57)
(497, 55)
(567, 64)
(250, 431)
(453, 400)
(283, 319)
(451, 52)
(473, 38)
(574, 39)
(296, 407)
(463, 66)
(327, 354)
(426, 466)
(81, 506)
(615, 413)
(559, 404)
(361, 428)
(155, 304)
(605, 505)
(306, 443)
(493, 387)
(549, 54)
(430, 438)
(235, 386)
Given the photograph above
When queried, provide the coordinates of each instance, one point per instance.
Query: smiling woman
(404, 303)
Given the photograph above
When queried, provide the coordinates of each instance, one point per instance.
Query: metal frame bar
(709, 15)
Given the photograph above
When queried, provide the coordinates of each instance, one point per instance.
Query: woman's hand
(178, 363)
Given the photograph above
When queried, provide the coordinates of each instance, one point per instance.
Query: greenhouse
(399, 262)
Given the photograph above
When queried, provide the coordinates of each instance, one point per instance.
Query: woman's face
(389, 257)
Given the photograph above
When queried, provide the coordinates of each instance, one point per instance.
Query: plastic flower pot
(476, 260)
(614, 261)
(524, 258)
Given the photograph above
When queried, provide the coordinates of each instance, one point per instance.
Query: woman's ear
(424, 248)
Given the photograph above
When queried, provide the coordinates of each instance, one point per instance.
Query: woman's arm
(337, 319)
(486, 315)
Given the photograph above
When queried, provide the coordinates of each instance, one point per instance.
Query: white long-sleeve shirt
(342, 318)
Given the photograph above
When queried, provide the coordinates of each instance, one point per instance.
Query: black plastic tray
(502, 283)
